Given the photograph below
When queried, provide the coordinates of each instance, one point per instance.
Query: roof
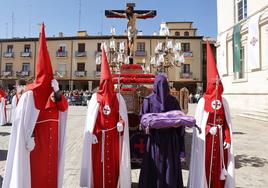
(103, 37)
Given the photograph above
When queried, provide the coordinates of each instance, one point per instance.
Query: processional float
(134, 82)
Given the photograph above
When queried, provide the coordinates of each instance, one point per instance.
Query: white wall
(252, 91)
(226, 10)
(225, 14)
(264, 42)
(255, 5)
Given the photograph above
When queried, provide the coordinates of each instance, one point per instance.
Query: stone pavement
(250, 146)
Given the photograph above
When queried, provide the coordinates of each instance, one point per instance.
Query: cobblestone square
(250, 147)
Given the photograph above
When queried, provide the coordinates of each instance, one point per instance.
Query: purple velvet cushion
(174, 118)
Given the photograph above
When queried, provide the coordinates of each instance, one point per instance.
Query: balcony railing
(188, 75)
(23, 73)
(26, 54)
(61, 54)
(80, 54)
(80, 73)
(8, 54)
(7, 73)
(140, 53)
(60, 74)
(188, 54)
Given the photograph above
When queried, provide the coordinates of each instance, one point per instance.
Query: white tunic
(2, 111)
(17, 173)
(197, 174)
(13, 108)
(86, 178)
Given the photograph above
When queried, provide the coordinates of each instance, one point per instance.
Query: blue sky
(62, 16)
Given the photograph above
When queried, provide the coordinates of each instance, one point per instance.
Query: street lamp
(167, 54)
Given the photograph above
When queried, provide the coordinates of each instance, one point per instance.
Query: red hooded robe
(44, 156)
(107, 118)
(213, 99)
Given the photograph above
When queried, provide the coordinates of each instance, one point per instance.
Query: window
(177, 33)
(98, 47)
(81, 47)
(242, 63)
(25, 67)
(9, 48)
(117, 46)
(98, 68)
(241, 73)
(27, 48)
(245, 8)
(185, 47)
(186, 68)
(62, 48)
(242, 9)
(80, 66)
(9, 67)
(141, 46)
(186, 33)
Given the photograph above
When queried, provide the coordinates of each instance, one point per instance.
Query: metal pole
(103, 158)
(214, 122)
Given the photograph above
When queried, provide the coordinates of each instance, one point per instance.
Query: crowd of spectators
(74, 97)
(81, 97)
(77, 97)
(194, 98)
(9, 95)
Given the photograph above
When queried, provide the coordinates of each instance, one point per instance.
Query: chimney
(60, 34)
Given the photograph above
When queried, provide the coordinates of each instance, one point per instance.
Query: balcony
(97, 74)
(80, 73)
(8, 54)
(26, 54)
(7, 73)
(185, 75)
(80, 54)
(140, 53)
(97, 53)
(61, 53)
(60, 74)
(188, 54)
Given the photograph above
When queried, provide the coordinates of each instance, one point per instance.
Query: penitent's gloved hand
(226, 145)
(30, 144)
(55, 85)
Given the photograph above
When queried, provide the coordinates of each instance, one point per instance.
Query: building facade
(242, 56)
(74, 58)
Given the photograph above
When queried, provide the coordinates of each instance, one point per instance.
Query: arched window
(177, 33)
(186, 33)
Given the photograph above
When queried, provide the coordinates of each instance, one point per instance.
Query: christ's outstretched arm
(118, 13)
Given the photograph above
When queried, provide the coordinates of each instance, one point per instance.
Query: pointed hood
(161, 92)
(41, 86)
(212, 93)
(106, 94)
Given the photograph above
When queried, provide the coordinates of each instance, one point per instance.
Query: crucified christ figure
(131, 15)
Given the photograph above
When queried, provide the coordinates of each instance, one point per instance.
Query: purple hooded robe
(161, 166)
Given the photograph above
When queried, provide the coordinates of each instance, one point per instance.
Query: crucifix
(131, 15)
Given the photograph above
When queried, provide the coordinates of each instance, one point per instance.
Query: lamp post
(167, 54)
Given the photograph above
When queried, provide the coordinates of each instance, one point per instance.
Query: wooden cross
(131, 15)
